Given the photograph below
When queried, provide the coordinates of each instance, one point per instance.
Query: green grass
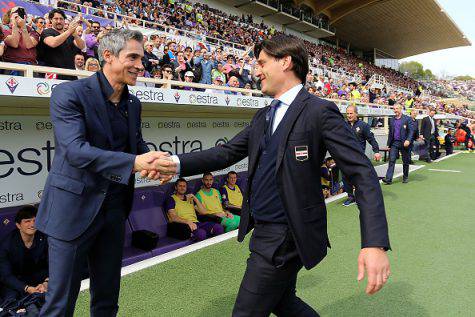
(431, 221)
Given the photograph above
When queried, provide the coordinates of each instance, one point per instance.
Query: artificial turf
(432, 232)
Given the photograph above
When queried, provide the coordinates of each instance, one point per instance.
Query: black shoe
(429, 161)
(405, 180)
(411, 162)
(386, 182)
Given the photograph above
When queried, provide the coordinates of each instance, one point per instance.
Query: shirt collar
(107, 89)
(289, 96)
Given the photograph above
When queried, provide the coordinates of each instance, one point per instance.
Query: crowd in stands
(452, 88)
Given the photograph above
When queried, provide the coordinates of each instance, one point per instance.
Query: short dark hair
(181, 179)
(96, 22)
(54, 11)
(26, 212)
(207, 174)
(231, 173)
(283, 45)
(167, 66)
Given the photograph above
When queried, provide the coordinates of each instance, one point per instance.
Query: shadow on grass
(394, 300)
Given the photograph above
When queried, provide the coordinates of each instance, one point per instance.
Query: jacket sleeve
(355, 165)
(369, 136)
(6, 272)
(410, 130)
(69, 125)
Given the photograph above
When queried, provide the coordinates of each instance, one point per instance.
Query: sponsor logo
(10, 198)
(227, 99)
(10, 126)
(39, 194)
(248, 102)
(148, 95)
(266, 103)
(203, 99)
(177, 96)
(12, 83)
(301, 153)
(44, 88)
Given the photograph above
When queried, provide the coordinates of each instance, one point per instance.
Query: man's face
(413, 114)
(270, 72)
(167, 72)
(40, 23)
(232, 178)
(79, 61)
(432, 113)
(96, 28)
(181, 188)
(58, 22)
(220, 68)
(351, 114)
(208, 181)
(218, 82)
(188, 79)
(27, 226)
(180, 57)
(127, 66)
(397, 110)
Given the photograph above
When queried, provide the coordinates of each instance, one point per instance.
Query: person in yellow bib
(355, 94)
(181, 210)
(231, 194)
(212, 201)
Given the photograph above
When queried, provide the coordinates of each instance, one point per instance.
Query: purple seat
(168, 244)
(132, 254)
(7, 220)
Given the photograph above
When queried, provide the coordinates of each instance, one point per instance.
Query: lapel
(132, 114)
(288, 122)
(259, 130)
(97, 101)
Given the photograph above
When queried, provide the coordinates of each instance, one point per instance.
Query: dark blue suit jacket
(407, 130)
(83, 164)
(317, 126)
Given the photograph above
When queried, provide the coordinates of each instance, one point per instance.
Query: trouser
(348, 187)
(100, 246)
(204, 230)
(396, 147)
(269, 283)
(229, 224)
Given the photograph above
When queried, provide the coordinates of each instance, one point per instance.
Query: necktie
(270, 116)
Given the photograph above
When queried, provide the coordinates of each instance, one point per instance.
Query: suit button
(103, 192)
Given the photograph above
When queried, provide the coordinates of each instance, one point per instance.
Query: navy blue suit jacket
(84, 164)
(406, 132)
(317, 126)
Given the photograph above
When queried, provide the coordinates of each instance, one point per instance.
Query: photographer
(20, 39)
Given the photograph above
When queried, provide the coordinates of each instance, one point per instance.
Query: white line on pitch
(448, 171)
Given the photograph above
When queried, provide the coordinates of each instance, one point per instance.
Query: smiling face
(27, 226)
(125, 67)
(271, 73)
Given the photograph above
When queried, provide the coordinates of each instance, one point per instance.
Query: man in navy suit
(88, 192)
(286, 143)
(401, 134)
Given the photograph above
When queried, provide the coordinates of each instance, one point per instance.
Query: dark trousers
(203, 231)
(268, 285)
(348, 187)
(396, 148)
(100, 246)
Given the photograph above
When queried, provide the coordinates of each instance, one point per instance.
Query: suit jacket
(426, 128)
(314, 125)
(13, 261)
(83, 164)
(415, 124)
(406, 132)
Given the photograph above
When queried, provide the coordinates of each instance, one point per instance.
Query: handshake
(155, 165)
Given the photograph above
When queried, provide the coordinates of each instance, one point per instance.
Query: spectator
(207, 65)
(218, 81)
(39, 24)
(189, 76)
(167, 74)
(60, 45)
(231, 194)
(79, 61)
(233, 83)
(449, 142)
(24, 258)
(218, 72)
(181, 66)
(212, 201)
(181, 210)
(92, 65)
(93, 38)
(20, 39)
(149, 60)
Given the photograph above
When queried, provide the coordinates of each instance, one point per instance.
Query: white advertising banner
(27, 149)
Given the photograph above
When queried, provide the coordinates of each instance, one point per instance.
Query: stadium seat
(7, 219)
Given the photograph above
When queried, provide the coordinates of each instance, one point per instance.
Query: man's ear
(107, 56)
(287, 63)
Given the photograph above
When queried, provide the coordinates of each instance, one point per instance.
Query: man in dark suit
(429, 132)
(401, 132)
(415, 124)
(88, 192)
(24, 258)
(286, 144)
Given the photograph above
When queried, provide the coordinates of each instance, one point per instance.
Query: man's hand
(376, 263)
(73, 26)
(406, 143)
(144, 162)
(377, 156)
(20, 22)
(189, 197)
(42, 288)
(32, 290)
(192, 226)
(229, 215)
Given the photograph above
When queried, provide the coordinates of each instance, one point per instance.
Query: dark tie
(270, 117)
